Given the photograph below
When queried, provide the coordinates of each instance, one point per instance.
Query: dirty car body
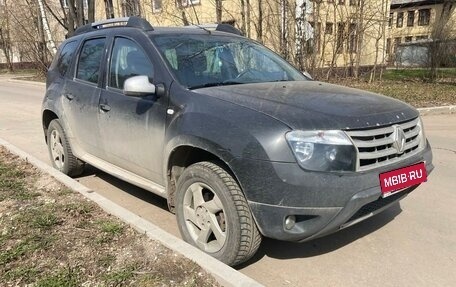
(307, 155)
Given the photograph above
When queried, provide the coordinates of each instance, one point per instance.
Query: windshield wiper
(207, 85)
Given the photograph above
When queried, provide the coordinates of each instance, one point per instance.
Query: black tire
(67, 163)
(242, 238)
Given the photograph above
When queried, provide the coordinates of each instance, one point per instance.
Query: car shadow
(290, 250)
(133, 190)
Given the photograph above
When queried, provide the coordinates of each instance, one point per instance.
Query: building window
(352, 38)
(408, 39)
(424, 16)
(186, 3)
(420, 38)
(157, 6)
(109, 9)
(131, 8)
(390, 20)
(410, 18)
(400, 19)
(341, 2)
(340, 37)
(329, 28)
(354, 2)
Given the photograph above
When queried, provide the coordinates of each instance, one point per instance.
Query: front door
(132, 128)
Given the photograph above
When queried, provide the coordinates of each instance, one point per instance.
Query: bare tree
(441, 33)
(5, 39)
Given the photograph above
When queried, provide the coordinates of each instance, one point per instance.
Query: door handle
(70, 97)
(105, 108)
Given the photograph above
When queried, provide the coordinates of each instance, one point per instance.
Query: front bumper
(322, 203)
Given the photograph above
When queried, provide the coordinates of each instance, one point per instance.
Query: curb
(223, 274)
(34, 83)
(442, 110)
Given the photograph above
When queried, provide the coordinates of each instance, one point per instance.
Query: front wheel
(62, 157)
(213, 214)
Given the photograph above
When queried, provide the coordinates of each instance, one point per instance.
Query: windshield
(212, 60)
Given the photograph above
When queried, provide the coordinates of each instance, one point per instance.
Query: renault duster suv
(241, 144)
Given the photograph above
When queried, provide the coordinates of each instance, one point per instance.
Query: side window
(90, 59)
(127, 60)
(63, 61)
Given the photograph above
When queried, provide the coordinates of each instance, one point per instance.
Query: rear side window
(63, 61)
(90, 59)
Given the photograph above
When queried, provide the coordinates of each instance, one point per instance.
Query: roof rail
(135, 22)
(227, 28)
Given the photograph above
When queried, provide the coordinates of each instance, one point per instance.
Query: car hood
(315, 105)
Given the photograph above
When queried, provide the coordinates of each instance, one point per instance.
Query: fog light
(290, 222)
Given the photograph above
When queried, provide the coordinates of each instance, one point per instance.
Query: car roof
(143, 25)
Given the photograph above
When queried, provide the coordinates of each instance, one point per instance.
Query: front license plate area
(394, 181)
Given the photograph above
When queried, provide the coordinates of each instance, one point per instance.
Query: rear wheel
(213, 214)
(62, 157)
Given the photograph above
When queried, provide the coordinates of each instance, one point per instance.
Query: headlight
(421, 135)
(323, 150)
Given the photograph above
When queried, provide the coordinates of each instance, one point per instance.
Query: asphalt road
(411, 244)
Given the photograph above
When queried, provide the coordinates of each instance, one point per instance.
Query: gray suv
(240, 143)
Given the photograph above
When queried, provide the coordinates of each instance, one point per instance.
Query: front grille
(376, 205)
(375, 146)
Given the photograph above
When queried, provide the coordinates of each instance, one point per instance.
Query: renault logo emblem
(399, 139)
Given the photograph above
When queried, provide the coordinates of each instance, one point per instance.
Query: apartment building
(413, 21)
(317, 33)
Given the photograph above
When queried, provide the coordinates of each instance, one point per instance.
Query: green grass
(24, 273)
(42, 230)
(120, 277)
(414, 74)
(13, 185)
(79, 209)
(68, 277)
(22, 248)
(111, 227)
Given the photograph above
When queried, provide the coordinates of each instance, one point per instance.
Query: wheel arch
(47, 117)
(186, 154)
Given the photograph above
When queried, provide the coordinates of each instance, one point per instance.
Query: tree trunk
(46, 29)
(6, 49)
(247, 12)
(243, 24)
(359, 38)
(218, 10)
(80, 15)
(260, 22)
(91, 11)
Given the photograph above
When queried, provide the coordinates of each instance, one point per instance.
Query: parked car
(240, 143)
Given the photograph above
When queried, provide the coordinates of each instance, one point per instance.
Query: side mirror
(305, 73)
(138, 86)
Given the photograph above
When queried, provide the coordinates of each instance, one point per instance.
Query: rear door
(132, 129)
(81, 97)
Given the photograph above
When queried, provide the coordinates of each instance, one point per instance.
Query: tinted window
(65, 57)
(90, 59)
(127, 60)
